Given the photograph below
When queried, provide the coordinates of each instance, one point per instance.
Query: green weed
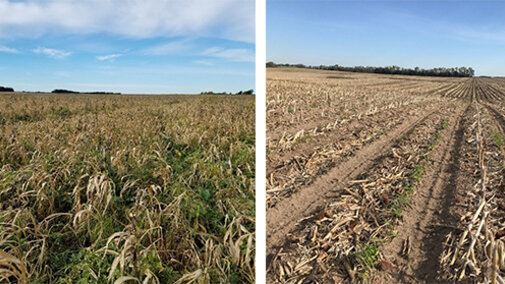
(497, 139)
(367, 257)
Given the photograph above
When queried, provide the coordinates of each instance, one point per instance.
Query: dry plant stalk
(123, 189)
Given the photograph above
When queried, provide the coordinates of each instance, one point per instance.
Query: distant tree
(63, 91)
(102, 93)
(271, 64)
(471, 72)
(439, 71)
(6, 89)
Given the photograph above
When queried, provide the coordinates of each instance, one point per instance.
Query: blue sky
(128, 46)
(379, 33)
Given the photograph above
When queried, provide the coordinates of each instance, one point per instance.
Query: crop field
(384, 179)
(126, 189)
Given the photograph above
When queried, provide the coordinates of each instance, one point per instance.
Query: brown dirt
(282, 218)
(430, 216)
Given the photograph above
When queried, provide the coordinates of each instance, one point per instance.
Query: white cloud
(229, 19)
(110, 57)
(7, 49)
(54, 53)
(191, 47)
(234, 54)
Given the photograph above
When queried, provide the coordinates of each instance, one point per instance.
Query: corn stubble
(477, 252)
(410, 213)
(354, 110)
(115, 189)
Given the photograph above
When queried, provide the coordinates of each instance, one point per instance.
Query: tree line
(6, 89)
(440, 71)
(63, 91)
(248, 92)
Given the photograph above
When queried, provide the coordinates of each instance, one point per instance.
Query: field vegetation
(126, 189)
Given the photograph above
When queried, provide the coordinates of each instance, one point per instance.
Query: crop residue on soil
(384, 179)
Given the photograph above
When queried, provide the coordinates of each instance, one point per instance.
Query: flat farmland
(137, 189)
(384, 178)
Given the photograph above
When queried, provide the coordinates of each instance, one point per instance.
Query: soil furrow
(430, 217)
(498, 116)
(282, 218)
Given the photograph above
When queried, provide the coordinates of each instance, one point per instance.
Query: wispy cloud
(445, 29)
(229, 19)
(474, 35)
(233, 54)
(54, 53)
(191, 47)
(171, 47)
(8, 49)
(203, 62)
(109, 57)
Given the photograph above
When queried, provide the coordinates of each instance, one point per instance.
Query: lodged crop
(137, 189)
